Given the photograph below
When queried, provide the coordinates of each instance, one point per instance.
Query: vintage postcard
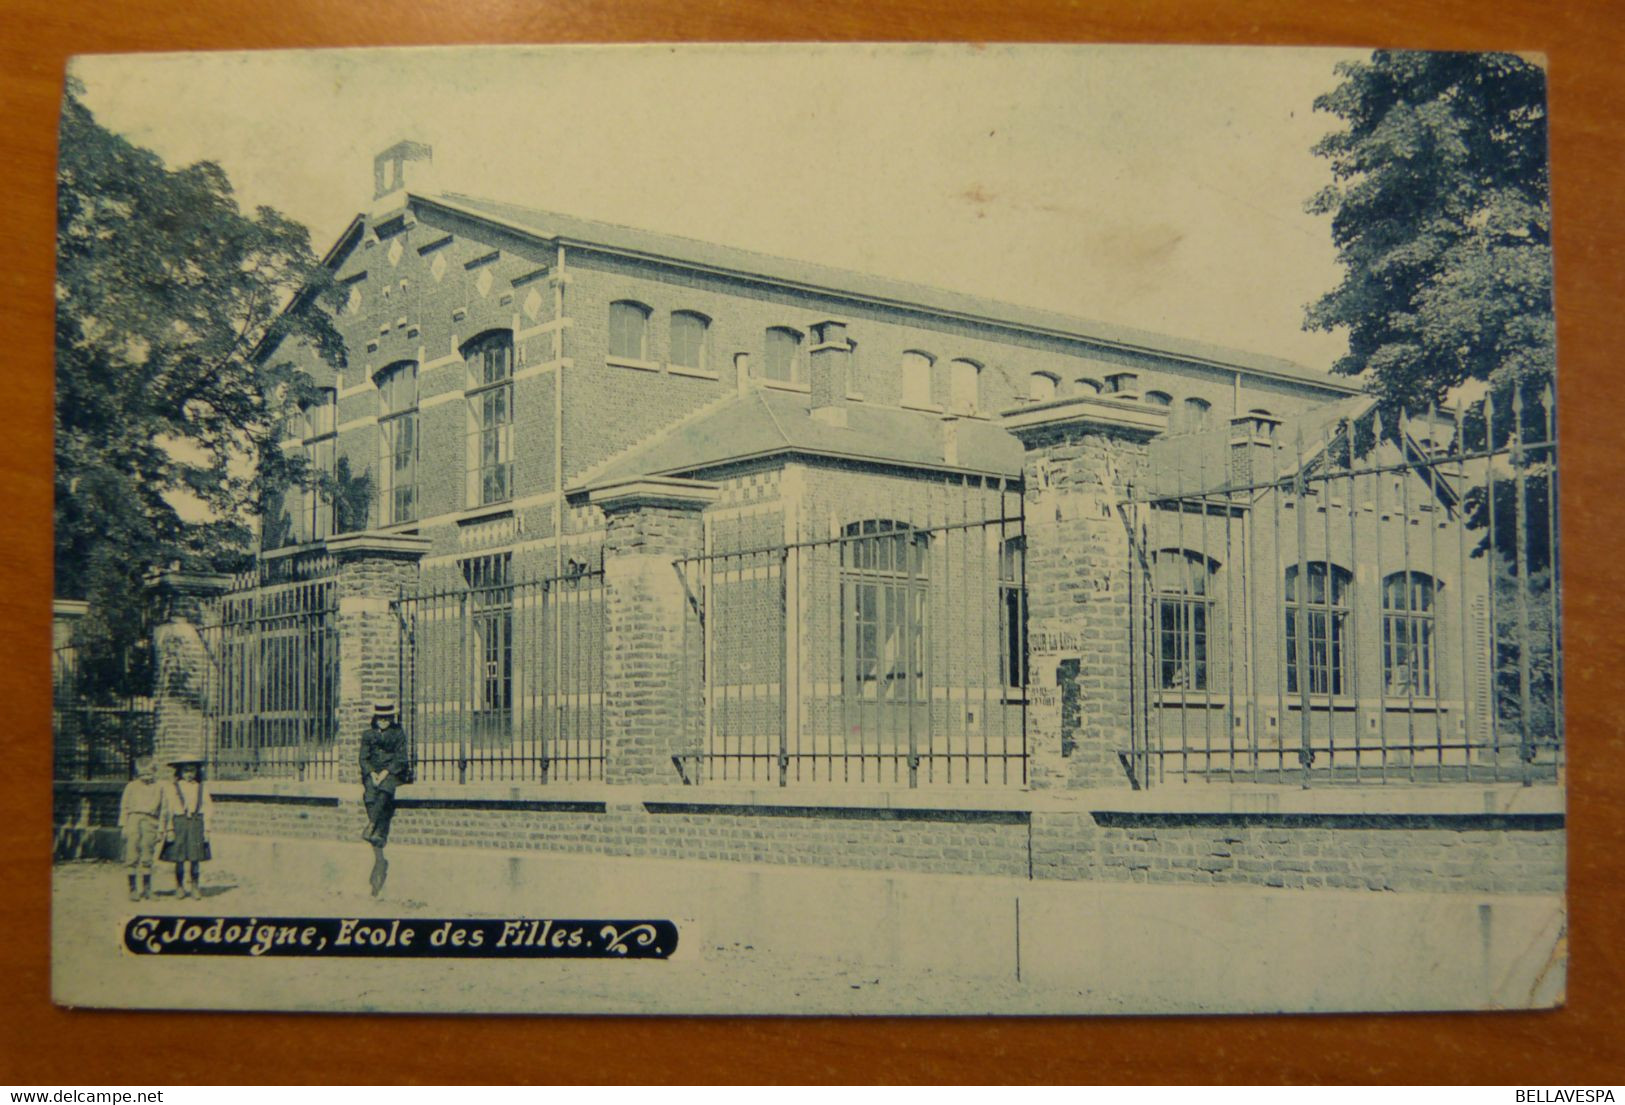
(807, 529)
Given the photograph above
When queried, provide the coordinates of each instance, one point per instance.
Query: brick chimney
(830, 371)
(390, 172)
(1252, 436)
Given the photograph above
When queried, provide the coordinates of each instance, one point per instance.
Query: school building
(667, 548)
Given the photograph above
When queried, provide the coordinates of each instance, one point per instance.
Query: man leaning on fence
(385, 765)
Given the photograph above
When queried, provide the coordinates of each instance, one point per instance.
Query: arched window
(397, 442)
(1316, 626)
(1087, 385)
(964, 386)
(689, 340)
(1040, 387)
(781, 358)
(1194, 414)
(1013, 612)
(1159, 398)
(916, 378)
(489, 359)
(883, 588)
(1407, 634)
(1182, 581)
(629, 330)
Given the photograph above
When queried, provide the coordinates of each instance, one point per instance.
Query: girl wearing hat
(180, 815)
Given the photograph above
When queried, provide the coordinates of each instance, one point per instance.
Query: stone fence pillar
(1082, 455)
(371, 570)
(652, 677)
(184, 681)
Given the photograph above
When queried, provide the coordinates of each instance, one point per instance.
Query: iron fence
(502, 678)
(274, 657)
(97, 730)
(1369, 601)
(888, 653)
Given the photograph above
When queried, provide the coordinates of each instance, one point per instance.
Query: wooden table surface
(1579, 1044)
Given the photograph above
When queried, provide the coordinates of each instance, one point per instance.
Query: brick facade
(428, 276)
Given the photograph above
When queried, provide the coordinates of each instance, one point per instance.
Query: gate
(889, 654)
(275, 654)
(503, 679)
(98, 729)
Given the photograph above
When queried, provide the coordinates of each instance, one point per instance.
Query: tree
(169, 404)
(1441, 216)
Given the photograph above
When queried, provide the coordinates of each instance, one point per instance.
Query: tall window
(489, 359)
(964, 386)
(688, 339)
(1181, 580)
(1194, 414)
(321, 457)
(1040, 387)
(1316, 627)
(782, 355)
(490, 622)
(883, 588)
(629, 330)
(1407, 634)
(398, 443)
(916, 379)
(1012, 613)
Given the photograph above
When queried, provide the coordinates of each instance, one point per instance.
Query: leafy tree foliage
(1441, 214)
(1442, 219)
(168, 411)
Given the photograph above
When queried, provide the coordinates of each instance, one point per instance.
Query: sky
(1155, 187)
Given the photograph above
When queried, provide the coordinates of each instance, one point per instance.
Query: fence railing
(274, 657)
(97, 734)
(1370, 603)
(504, 679)
(888, 654)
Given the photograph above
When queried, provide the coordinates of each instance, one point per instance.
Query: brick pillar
(1082, 455)
(652, 687)
(371, 569)
(180, 696)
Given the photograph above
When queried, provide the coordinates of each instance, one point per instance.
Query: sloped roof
(553, 226)
(1190, 462)
(769, 422)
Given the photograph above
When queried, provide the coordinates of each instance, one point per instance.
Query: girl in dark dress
(186, 844)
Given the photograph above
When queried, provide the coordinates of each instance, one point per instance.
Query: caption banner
(517, 938)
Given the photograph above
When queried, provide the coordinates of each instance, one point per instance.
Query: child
(138, 821)
(185, 844)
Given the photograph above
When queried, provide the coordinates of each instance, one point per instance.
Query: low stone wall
(84, 821)
(922, 840)
(1483, 853)
(1478, 841)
